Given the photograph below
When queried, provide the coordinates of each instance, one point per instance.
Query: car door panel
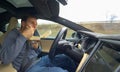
(46, 44)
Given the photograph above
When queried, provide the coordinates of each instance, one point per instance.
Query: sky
(90, 10)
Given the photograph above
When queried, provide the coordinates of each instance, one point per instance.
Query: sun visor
(46, 8)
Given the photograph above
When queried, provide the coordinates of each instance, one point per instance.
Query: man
(17, 49)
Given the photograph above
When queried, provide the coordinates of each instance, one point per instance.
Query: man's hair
(24, 18)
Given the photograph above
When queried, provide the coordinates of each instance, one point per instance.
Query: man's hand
(35, 44)
(28, 31)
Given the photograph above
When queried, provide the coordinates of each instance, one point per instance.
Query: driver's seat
(7, 68)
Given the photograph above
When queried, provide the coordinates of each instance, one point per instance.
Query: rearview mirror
(64, 2)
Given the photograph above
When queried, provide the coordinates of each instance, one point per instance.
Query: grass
(105, 28)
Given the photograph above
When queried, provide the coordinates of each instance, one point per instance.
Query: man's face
(30, 21)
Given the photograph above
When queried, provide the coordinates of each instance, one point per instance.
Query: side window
(51, 29)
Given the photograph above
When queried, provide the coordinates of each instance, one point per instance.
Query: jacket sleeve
(12, 46)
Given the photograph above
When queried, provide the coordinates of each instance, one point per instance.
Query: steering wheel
(60, 36)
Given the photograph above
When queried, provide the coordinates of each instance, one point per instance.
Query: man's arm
(12, 46)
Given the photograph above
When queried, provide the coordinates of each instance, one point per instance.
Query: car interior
(88, 49)
(12, 24)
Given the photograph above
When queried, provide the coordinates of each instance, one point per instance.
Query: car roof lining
(46, 8)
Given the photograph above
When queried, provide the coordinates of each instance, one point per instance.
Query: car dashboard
(100, 52)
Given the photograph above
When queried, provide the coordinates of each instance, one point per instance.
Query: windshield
(101, 16)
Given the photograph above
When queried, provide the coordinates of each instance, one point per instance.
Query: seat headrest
(1, 33)
(12, 23)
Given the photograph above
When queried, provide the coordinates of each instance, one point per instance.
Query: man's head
(28, 20)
